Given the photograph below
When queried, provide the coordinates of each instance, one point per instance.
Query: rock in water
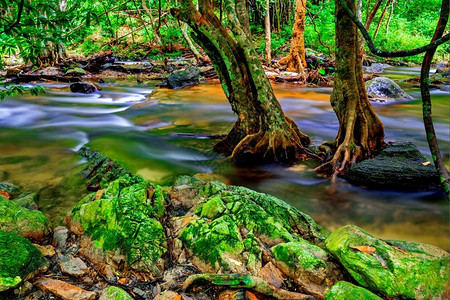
(346, 290)
(183, 78)
(384, 89)
(397, 269)
(19, 260)
(376, 68)
(83, 87)
(399, 166)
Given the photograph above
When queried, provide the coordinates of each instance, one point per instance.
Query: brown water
(155, 133)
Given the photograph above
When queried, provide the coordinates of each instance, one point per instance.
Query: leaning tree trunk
(296, 61)
(361, 132)
(262, 133)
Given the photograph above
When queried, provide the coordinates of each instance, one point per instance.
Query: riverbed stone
(121, 221)
(114, 293)
(83, 87)
(399, 166)
(385, 89)
(31, 224)
(376, 68)
(64, 290)
(72, 266)
(346, 290)
(19, 260)
(397, 269)
(183, 78)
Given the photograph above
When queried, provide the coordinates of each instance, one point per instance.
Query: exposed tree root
(245, 281)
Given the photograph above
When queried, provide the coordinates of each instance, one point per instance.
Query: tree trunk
(188, 39)
(262, 133)
(381, 19)
(296, 61)
(268, 43)
(361, 133)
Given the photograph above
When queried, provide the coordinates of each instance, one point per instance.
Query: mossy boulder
(9, 188)
(122, 220)
(308, 265)
(399, 166)
(31, 224)
(19, 260)
(396, 269)
(345, 290)
(384, 89)
(229, 228)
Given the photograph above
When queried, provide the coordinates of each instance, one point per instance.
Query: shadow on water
(161, 134)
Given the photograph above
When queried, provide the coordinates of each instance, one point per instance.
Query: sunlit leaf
(365, 249)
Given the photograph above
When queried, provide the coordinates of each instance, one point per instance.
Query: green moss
(211, 241)
(115, 293)
(300, 255)
(18, 258)
(346, 290)
(159, 200)
(31, 224)
(122, 218)
(408, 270)
(213, 208)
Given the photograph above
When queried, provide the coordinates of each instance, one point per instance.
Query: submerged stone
(31, 224)
(19, 260)
(122, 218)
(394, 268)
(399, 166)
(346, 290)
(383, 88)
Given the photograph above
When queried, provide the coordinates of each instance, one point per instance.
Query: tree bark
(188, 39)
(381, 19)
(296, 61)
(426, 102)
(262, 133)
(361, 133)
(268, 43)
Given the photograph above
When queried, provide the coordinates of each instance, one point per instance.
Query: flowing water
(161, 134)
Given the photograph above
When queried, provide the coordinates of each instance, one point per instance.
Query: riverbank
(151, 240)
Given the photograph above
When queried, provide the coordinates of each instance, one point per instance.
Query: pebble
(60, 236)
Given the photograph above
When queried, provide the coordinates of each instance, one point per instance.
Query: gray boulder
(183, 78)
(399, 166)
(376, 68)
(383, 89)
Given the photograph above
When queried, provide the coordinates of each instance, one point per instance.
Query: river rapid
(162, 133)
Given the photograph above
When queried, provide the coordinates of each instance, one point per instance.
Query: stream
(162, 133)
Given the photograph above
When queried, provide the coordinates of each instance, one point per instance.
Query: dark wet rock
(31, 224)
(183, 78)
(96, 62)
(75, 72)
(399, 166)
(11, 72)
(376, 68)
(60, 236)
(399, 269)
(346, 290)
(19, 260)
(119, 226)
(64, 290)
(100, 170)
(73, 266)
(115, 293)
(83, 87)
(384, 89)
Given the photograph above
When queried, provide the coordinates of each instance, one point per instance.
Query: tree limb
(382, 53)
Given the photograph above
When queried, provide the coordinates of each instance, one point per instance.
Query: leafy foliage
(13, 89)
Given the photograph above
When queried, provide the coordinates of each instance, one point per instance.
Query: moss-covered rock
(31, 224)
(345, 290)
(308, 265)
(114, 293)
(122, 217)
(229, 228)
(395, 268)
(9, 188)
(399, 166)
(19, 260)
(183, 78)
